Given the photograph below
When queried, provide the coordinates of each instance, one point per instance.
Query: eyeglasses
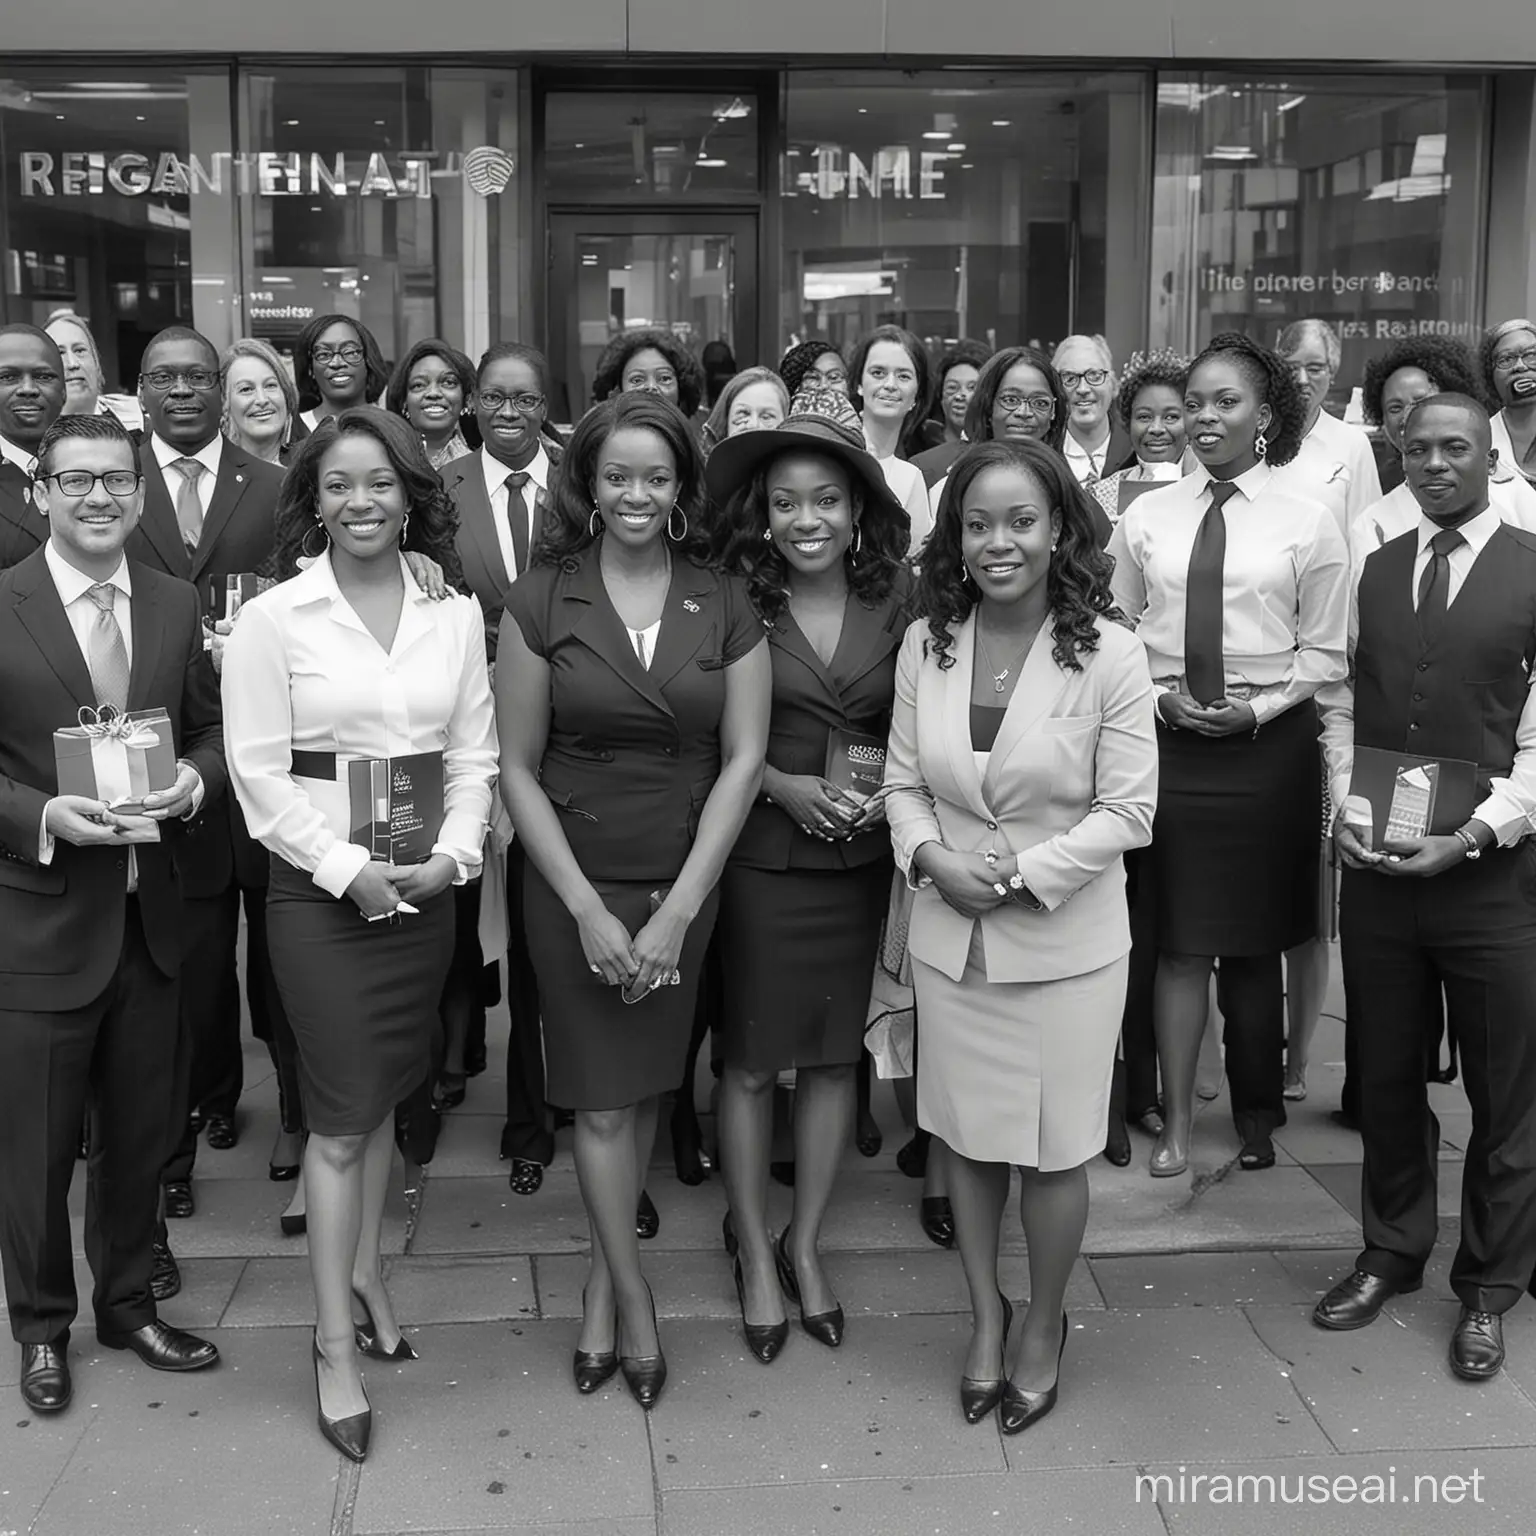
(161, 380)
(1092, 376)
(81, 482)
(1035, 405)
(525, 405)
(1507, 362)
(348, 352)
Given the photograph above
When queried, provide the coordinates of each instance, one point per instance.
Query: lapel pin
(690, 605)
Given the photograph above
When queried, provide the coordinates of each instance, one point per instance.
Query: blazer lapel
(477, 520)
(147, 635)
(687, 620)
(957, 718)
(42, 614)
(601, 630)
(234, 478)
(790, 640)
(1041, 682)
(867, 639)
(158, 523)
(16, 503)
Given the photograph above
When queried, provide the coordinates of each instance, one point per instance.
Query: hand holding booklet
(1412, 797)
(855, 764)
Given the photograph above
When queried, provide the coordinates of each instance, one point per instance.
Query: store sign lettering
(840, 173)
(82, 173)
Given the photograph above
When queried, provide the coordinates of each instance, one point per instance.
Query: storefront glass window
(1005, 208)
(1357, 199)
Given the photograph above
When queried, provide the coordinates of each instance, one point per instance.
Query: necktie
(189, 505)
(1204, 666)
(107, 655)
(1435, 583)
(517, 515)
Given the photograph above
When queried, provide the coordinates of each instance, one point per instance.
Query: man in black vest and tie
(31, 398)
(1444, 644)
(91, 930)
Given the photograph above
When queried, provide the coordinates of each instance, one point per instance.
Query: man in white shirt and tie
(31, 398)
(91, 927)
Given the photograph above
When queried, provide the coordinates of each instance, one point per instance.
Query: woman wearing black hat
(812, 528)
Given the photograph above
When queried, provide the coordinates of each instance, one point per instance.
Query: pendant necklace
(1000, 679)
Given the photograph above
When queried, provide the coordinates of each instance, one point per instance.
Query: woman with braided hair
(1150, 406)
(1244, 613)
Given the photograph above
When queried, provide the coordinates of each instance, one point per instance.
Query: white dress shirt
(1335, 466)
(1512, 497)
(1084, 462)
(1285, 586)
(303, 673)
(210, 456)
(1500, 439)
(495, 472)
(24, 461)
(906, 483)
(1510, 809)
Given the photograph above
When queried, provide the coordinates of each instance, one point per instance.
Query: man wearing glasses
(1509, 370)
(31, 398)
(1095, 445)
(91, 926)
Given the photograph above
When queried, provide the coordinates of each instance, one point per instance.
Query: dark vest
(1462, 696)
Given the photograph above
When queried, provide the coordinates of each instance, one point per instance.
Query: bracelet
(1469, 841)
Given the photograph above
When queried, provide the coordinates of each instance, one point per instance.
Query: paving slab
(1090, 1502)
(562, 1528)
(458, 1289)
(1388, 1386)
(1153, 1280)
(1342, 1181)
(488, 1427)
(35, 1450)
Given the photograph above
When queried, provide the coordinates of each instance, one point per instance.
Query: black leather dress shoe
(221, 1132)
(164, 1273)
(1117, 1145)
(647, 1218)
(178, 1200)
(163, 1348)
(1356, 1301)
(1477, 1345)
(45, 1383)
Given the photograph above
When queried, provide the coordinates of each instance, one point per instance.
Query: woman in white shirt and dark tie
(347, 661)
(1239, 589)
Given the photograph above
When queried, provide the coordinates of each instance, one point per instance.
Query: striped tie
(107, 656)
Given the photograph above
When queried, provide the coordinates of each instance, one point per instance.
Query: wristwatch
(1469, 842)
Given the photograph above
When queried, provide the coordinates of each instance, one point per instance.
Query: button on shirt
(1285, 584)
(1510, 809)
(210, 456)
(495, 472)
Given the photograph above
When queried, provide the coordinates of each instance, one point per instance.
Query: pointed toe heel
(979, 1398)
(765, 1340)
(646, 1375)
(367, 1336)
(825, 1327)
(593, 1369)
(350, 1435)
(1021, 1408)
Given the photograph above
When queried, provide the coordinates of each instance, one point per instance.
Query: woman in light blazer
(1022, 766)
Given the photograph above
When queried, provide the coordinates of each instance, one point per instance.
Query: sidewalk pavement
(1190, 1352)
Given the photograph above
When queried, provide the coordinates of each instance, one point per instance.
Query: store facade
(559, 200)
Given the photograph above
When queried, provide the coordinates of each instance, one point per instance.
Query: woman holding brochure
(345, 663)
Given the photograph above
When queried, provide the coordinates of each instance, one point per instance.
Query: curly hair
(377, 375)
(718, 427)
(911, 440)
(1077, 584)
(1489, 345)
(1165, 366)
(608, 377)
(1447, 363)
(744, 550)
(978, 419)
(1276, 386)
(432, 518)
(399, 389)
(572, 492)
(800, 359)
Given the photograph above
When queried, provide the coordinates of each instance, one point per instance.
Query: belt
(314, 765)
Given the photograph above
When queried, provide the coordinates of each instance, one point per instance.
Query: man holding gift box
(91, 925)
(31, 398)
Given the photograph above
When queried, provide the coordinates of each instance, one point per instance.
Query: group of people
(1022, 681)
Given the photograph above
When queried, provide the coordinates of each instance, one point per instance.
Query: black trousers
(1471, 932)
(115, 1057)
(526, 1133)
(1250, 991)
(1133, 1089)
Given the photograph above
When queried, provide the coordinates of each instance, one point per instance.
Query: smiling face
(955, 395)
(1157, 424)
(361, 500)
(339, 367)
(1007, 528)
(90, 528)
(254, 400)
(1308, 363)
(888, 383)
(757, 408)
(1403, 388)
(82, 373)
(179, 390)
(649, 372)
(31, 389)
(1023, 405)
(1514, 368)
(636, 486)
(509, 406)
(434, 397)
(811, 511)
(827, 372)
(1222, 413)
(1090, 386)
(1446, 461)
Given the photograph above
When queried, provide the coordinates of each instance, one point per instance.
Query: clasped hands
(380, 890)
(1226, 717)
(639, 964)
(88, 823)
(966, 881)
(822, 809)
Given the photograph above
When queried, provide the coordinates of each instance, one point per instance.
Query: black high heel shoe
(1021, 1408)
(688, 1145)
(825, 1327)
(367, 1336)
(592, 1368)
(765, 1340)
(350, 1435)
(938, 1220)
(647, 1218)
(728, 1236)
(646, 1375)
(979, 1398)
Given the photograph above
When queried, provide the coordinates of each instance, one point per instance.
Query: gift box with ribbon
(118, 758)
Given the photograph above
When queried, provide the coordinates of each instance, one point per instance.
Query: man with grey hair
(1095, 444)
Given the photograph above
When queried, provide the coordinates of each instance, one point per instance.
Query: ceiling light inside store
(1290, 103)
(956, 149)
(713, 165)
(1231, 152)
(1002, 122)
(937, 133)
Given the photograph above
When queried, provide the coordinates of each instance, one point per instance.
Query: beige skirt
(1018, 1072)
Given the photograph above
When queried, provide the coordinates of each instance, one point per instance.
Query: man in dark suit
(209, 511)
(31, 398)
(1451, 600)
(91, 931)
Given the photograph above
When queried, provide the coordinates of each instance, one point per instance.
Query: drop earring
(325, 539)
(594, 524)
(1260, 445)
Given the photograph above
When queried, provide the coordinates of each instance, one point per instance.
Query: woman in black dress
(819, 539)
(632, 694)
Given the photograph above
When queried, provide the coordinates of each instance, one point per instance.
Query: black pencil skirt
(1234, 855)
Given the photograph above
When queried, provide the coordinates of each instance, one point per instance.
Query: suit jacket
(1070, 786)
(61, 924)
(810, 701)
(22, 527)
(485, 571)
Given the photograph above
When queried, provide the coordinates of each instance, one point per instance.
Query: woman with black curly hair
(813, 364)
(653, 363)
(1428, 365)
(342, 665)
(812, 528)
(1150, 407)
(632, 694)
(1244, 615)
(954, 384)
(1022, 767)
(1507, 356)
(433, 387)
(336, 365)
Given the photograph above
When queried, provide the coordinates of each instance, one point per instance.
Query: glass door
(692, 274)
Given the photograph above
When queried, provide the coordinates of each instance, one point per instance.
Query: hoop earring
(325, 540)
(594, 524)
(857, 542)
(1260, 445)
(677, 538)
(966, 579)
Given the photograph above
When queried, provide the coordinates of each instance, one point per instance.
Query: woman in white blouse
(889, 386)
(344, 662)
(1239, 589)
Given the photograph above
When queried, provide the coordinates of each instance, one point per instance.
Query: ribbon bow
(107, 723)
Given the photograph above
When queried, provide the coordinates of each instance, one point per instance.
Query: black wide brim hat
(820, 421)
